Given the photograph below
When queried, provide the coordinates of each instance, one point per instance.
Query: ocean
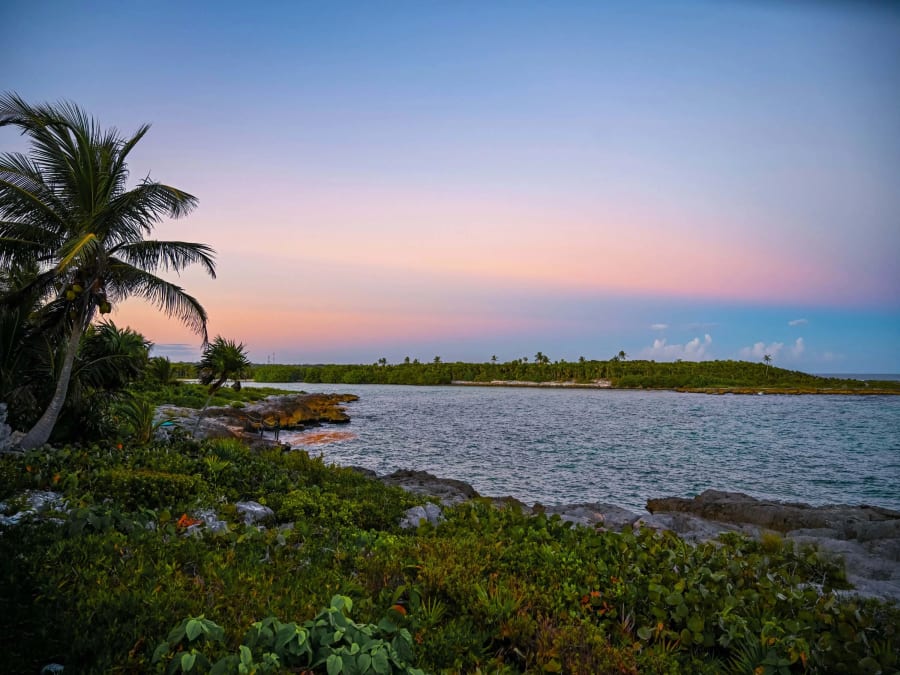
(619, 446)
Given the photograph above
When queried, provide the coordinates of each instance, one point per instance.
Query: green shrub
(148, 488)
(330, 641)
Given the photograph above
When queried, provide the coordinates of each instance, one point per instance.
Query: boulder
(447, 490)
(254, 512)
(415, 516)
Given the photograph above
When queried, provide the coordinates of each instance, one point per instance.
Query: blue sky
(678, 180)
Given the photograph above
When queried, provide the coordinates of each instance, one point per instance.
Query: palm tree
(767, 359)
(622, 355)
(66, 207)
(222, 360)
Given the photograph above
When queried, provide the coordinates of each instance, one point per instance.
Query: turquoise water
(623, 447)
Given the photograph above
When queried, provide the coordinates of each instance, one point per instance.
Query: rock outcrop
(287, 412)
(866, 538)
(447, 490)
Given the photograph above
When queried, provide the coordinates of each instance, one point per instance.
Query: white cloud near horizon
(760, 349)
(659, 326)
(798, 322)
(773, 349)
(693, 350)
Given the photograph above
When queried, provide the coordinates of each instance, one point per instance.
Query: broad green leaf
(363, 661)
(187, 661)
(161, 650)
(334, 664)
(246, 655)
(380, 662)
(194, 629)
(645, 632)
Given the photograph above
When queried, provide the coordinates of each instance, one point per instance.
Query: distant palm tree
(437, 359)
(622, 355)
(767, 359)
(494, 359)
(67, 207)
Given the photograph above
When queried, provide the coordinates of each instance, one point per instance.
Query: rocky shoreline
(867, 538)
(252, 421)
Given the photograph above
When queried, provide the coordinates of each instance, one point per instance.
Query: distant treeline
(620, 373)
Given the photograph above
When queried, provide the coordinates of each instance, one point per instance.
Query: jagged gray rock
(865, 538)
(415, 516)
(35, 502)
(254, 512)
(447, 490)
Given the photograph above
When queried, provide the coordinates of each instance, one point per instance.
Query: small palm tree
(67, 208)
(222, 360)
(767, 359)
(622, 355)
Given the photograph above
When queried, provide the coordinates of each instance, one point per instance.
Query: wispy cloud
(760, 349)
(694, 350)
(659, 326)
(798, 348)
(798, 322)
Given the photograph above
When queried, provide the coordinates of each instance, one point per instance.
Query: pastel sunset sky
(466, 179)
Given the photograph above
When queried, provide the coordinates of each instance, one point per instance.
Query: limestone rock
(36, 502)
(209, 521)
(447, 490)
(294, 411)
(415, 516)
(736, 507)
(865, 538)
(254, 512)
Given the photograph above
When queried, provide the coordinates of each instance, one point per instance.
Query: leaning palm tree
(222, 360)
(67, 207)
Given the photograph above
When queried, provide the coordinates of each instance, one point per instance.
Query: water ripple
(623, 447)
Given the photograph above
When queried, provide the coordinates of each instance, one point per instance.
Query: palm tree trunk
(40, 432)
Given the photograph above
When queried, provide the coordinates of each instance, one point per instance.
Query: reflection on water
(315, 437)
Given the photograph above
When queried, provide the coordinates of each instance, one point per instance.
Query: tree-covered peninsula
(618, 373)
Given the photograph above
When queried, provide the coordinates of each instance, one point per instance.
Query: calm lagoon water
(623, 447)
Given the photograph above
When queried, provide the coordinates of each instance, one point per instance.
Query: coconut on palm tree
(67, 207)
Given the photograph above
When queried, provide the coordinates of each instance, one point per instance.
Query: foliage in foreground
(124, 577)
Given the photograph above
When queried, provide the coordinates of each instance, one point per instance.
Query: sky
(693, 180)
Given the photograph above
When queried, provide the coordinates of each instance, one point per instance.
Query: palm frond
(79, 251)
(169, 255)
(126, 280)
(134, 212)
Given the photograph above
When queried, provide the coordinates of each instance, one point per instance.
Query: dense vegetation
(121, 577)
(124, 571)
(620, 373)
